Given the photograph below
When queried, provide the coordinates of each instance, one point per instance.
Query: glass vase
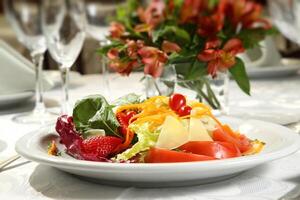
(211, 91)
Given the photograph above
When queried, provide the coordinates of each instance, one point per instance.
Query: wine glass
(286, 16)
(98, 13)
(63, 26)
(25, 19)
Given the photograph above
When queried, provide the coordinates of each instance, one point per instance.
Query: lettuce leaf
(146, 139)
(94, 112)
(131, 98)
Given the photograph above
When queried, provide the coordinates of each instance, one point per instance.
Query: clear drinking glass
(286, 16)
(98, 13)
(25, 19)
(63, 26)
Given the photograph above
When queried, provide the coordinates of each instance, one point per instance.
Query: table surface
(29, 180)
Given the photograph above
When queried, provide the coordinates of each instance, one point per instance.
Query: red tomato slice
(157, 155)
(184, 111)
(219, 150)
(225, 134)
(177, 101)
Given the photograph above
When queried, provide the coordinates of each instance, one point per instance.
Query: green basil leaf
(239, 74)
(94, 112)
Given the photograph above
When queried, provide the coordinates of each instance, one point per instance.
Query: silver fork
(8, 161)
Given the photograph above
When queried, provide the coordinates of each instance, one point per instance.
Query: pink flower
(191, 9)
(116, 30)
(209, 26)
(245, 12)
(152, 15)
(113, 54)
(118, 65)
(153, 59)
(123, 67)
(133, 47)
(170, 47)
(220, 59)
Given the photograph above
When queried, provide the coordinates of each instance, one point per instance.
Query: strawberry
(97, 148)
(100, 146)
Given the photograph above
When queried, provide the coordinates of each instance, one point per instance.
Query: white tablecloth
(28, 180)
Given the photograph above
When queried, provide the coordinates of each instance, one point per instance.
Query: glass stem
(105, 74)
(38, 60)
(65, 88)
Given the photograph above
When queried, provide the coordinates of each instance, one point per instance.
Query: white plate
(288, 68)
(15, 98)
(280, 142)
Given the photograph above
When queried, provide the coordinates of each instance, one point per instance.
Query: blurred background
(88, 61)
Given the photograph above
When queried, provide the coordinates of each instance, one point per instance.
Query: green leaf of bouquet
(239, 74)
(182, 57)
(272, 31)
(212, 3)
(196, 70)
(173, 34)
(114, 44)
(252, 37)
(126, 14)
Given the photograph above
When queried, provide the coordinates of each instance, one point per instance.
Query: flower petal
(234, 46)
(190, 10)
(153, 14)
(151, 54)
(212, 43)
(113, 54)
(155, 69)
(169, 47)
(212, 68)
(116, 30)
(227, 60)
(143, 28)
(123, 68)
(208, 55)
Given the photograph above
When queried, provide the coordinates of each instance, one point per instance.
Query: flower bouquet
(200, 37)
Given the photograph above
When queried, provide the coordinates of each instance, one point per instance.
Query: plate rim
(94, 166)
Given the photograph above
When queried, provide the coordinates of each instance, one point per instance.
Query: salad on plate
(160, 129)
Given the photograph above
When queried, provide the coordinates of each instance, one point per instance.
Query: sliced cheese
(209, 124)
(173, 134)
(197, 130)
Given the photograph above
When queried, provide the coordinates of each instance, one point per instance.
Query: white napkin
(16, 72)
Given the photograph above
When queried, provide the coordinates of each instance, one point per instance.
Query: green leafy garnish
(94, 112)
(146, 139)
